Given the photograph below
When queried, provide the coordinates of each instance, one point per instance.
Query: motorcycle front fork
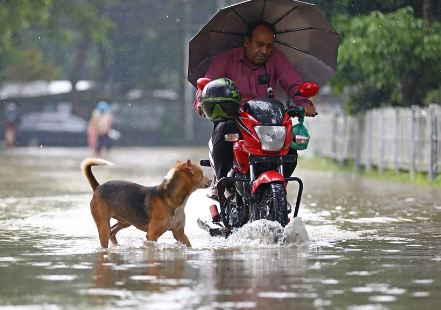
(249, 182)
(252, 175)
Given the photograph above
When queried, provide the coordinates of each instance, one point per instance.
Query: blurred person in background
(100, 124)
(12, 121)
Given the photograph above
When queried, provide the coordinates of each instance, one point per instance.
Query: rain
(354, 227)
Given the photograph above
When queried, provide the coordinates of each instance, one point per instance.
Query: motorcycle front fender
(267, 177)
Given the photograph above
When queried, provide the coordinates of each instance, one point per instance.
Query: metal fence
(388, 138)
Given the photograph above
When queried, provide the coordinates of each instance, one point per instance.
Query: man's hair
(253, 27)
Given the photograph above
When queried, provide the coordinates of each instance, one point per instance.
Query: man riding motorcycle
(247, 67)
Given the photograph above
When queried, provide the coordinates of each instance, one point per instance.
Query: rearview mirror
(202, 82)
(308, 89)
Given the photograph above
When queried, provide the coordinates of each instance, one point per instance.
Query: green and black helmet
(220, 100)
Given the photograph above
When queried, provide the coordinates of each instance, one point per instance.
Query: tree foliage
(26, 65)
(17, 62)
(354, 8)
(78, 24)
(388, 58)
(147, 48)
(19, 15)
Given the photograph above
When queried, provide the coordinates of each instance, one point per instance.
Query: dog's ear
(190, 168)
(176, 163)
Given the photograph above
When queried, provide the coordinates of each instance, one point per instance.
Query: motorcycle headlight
(271, 138)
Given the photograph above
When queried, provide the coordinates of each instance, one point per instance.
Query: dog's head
(194, 173)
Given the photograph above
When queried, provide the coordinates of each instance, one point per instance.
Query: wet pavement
(372, 244)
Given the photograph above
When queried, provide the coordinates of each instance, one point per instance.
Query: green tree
(353, 8)
(18, 63)
(19, 15)
(26, 65)
(78, 24)
(388, 58)
(148, 42)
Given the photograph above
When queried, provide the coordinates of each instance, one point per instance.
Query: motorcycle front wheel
(272, 204)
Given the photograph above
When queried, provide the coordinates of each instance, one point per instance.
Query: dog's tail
(86, 168)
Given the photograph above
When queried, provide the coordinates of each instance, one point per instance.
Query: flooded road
(373, 245)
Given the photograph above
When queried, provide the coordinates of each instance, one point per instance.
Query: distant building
(41, 88)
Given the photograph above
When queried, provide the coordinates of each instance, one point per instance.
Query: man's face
(259, 48)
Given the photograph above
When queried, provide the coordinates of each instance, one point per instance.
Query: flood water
(372, 245)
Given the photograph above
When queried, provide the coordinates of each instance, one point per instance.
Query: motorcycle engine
(240, 186)
(229, 186)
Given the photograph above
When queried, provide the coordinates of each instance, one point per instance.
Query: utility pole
(188, 93)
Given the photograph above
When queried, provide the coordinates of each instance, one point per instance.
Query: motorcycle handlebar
(296, 111)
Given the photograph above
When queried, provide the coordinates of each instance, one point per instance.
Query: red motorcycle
(255, 188)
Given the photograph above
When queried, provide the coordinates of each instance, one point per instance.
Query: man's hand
(309, 110)
(200, 111)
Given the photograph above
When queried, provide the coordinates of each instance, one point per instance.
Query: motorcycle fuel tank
(267, 111)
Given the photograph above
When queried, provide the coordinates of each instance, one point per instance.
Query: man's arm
(290, 82)
(92, 120)
(218, 68)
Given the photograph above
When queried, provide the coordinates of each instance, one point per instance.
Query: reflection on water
(360, 244)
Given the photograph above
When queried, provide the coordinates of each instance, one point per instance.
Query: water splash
(264, 233)
(295, 233)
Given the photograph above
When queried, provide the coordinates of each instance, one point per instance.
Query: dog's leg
(101, 214)
(104, 233)
(154, 235)
(181, 237)
(115, 228)
(156, 230)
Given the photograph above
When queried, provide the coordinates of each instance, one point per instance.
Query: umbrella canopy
(303, 34)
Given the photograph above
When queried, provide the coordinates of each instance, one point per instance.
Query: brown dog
(151, 209)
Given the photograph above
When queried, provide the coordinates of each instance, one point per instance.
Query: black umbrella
(303, 34)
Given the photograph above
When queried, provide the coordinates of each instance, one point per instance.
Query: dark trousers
(223, 151)
(103, 141)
